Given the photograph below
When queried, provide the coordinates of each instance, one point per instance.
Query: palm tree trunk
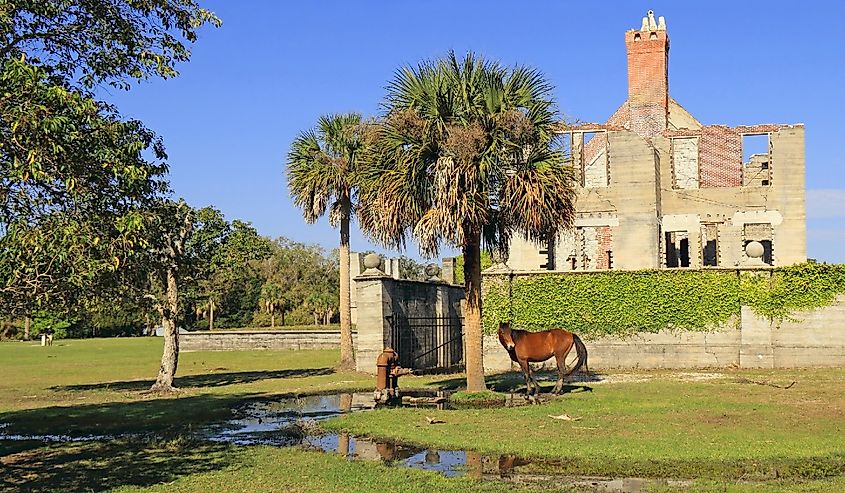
(27, 324)
(472, 316)
(283, 318)
(210, 315)
(170, 356)
(272, 319)
(347, 357)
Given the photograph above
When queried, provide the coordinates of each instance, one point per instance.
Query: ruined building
(658, 189)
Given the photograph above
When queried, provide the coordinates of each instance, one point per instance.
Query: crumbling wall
(756, 171)
(685, 162)
(595, 159)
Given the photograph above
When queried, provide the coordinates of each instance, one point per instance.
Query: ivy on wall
(793, 289)
(623, 303)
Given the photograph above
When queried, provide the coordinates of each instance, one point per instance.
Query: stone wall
(815, 339)
(380, 297)
(257, 339)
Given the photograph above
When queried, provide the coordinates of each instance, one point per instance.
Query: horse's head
(506, 335)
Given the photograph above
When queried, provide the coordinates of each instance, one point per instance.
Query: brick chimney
(648, 76)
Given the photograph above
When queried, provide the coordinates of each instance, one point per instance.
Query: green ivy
(624, 303)
(793, 289)
(486, 261)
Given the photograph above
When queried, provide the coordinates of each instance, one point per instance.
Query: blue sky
(275, 66)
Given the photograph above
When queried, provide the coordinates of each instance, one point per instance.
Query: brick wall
(720, 156)
(605, 245)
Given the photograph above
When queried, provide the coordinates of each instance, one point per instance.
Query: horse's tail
(581, 353)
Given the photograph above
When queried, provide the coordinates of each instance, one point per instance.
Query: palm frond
(466, 145)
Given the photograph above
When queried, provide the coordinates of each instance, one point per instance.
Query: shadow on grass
(170, 415)
(514, 381)
(204, 380)
(98, 466)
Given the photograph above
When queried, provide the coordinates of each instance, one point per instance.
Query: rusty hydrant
(389, 371)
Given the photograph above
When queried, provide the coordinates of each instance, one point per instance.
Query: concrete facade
(815, 339)
(658, 189)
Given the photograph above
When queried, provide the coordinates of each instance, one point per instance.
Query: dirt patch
(611, 378)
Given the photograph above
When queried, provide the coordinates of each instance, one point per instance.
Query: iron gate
(426, 343)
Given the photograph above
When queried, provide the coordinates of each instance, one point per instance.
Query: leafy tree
(76, 178)
(169, 260)
(322, 168)
(411, 269)
(300, 271)
(466, 154)
(233, 279)
(74, 181)
(184, 241)
(87, 42)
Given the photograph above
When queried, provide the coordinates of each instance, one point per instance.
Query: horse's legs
(561, 366)
(560, 358)
(526, 372)
(531, 376)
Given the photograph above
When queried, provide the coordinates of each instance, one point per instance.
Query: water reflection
(292, 422)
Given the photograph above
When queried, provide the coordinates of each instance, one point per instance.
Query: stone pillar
(756, 349)
(374, 306)
(441, 310)
(448, 272)
(394, 268)
(356, 263)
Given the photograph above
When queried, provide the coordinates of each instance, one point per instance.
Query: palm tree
(322, 174)
(207, 308)
(273, 300)
(467, 155)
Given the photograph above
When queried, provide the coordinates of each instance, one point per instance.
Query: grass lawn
(660, 424)
(97, 385)
(728, 431)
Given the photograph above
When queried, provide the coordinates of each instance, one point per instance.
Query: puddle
(290, 421)
(294, 422)
(284, 422)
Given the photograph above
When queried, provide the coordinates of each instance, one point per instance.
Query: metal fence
(426, 343)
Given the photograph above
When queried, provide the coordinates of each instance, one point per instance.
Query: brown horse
(533, 347)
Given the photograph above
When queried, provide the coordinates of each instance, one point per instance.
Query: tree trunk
(272, 319)
(170, 357)
(27, 323)
(210, 315)
(283, 317)
(347, 357)
(472, 317)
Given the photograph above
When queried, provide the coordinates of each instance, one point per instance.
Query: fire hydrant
(389, 371)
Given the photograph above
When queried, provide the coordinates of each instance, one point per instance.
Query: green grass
(477, 399)
(663, 427)
(98, 385)
(732, 434)
(188, 467)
